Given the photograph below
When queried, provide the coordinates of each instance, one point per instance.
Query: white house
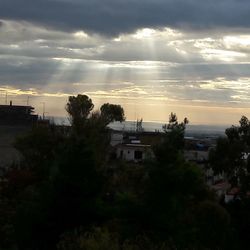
(135, 152)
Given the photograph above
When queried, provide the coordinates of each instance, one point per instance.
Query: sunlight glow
(29, 92)
(80, 35)
(144, 33)
(242, 40)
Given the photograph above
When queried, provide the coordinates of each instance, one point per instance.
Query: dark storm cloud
(111, 17)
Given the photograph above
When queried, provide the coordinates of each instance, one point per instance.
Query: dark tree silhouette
(111, 113)
(228, 156)
(79, 108)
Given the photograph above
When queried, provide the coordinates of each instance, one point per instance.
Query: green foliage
(240, 217)
(92, 126)
(33, 225)
(66, 183)
(102, 239)
(39, 147)
(98, 239)
(228, 156)
(111, 113)
(174, 124)
(75, 163)
(173, 141)
(213, 223)
(79, 108)
(176, 190)
(244, 130)
(7, 212)
(67, 199)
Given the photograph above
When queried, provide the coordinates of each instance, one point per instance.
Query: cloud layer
(153, 57)
(113, 17)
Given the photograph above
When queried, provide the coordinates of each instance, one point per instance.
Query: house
(133, 146)
(145, 137)
(135, 152)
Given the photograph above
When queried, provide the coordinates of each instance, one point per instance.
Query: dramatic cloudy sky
(191, 57)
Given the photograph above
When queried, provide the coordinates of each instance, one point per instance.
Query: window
(138, 155)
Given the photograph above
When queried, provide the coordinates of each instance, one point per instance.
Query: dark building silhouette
(17, 115)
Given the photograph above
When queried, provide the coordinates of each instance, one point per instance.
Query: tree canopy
(79, 109)
(111, 113)
(230, 156)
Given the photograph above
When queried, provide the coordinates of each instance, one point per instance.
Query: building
(14, 121)
(135, 152)
(134, 146)
(17, 115)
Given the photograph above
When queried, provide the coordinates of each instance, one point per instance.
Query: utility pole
(6, 98)
(28, 98)
(43, 103)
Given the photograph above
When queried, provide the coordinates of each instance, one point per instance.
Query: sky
(153, 57)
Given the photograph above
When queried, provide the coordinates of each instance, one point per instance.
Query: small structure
(133, 146)
(136, 146)
(135, 152)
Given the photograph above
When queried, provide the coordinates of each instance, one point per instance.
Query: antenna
(43, 103)
(139, 127)
(135, 122)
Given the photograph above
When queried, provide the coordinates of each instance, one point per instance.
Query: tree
(111, 113)
(213, 223)
(175, 188)
(226, 158)
(174, 124)
(79, 108)
(101, 238)
(39, 147)
(173, 142)
(228, 155)
(92, 125)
